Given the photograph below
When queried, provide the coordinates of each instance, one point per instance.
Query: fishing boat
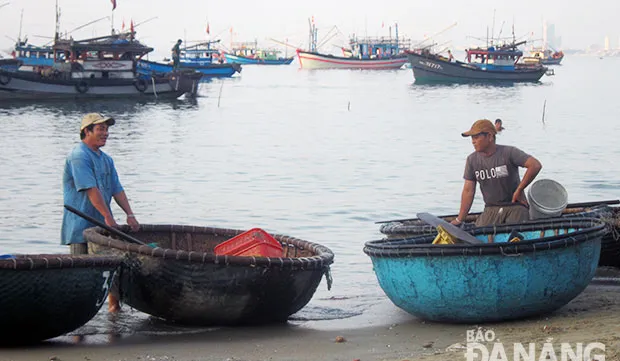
(45, 296)
(364, 53)
(250, 53)
(182, 279)
(33, 55)
(149, 68)
(201, 57)
(610, 249)
(488, 64)
(518, 271)
(10, 64)
(94, 68)
(200, 54)
(543, 56)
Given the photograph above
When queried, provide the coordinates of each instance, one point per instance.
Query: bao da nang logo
(483, 345)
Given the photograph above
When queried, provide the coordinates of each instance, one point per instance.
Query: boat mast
(396, 33)
(19, 36)
(493, 29)
(57, 30)
(313, 35)
(487, 36)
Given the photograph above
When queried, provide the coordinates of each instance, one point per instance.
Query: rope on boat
(154, 90)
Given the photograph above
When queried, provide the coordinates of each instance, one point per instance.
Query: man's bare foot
(113, 304)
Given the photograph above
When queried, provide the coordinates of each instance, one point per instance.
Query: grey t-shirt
(497, 174)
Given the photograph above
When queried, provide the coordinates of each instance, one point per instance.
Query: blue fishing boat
(10, 64)
(35, 56)
(519, 271)
(29, 56)
(148, 68)
(250, 53)
(200, 54)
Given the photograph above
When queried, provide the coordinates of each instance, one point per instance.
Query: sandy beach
(383, 333)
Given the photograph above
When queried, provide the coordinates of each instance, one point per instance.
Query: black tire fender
(5, 78)
(81, 87)
(140, 85)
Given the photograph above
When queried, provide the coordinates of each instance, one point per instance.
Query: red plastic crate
(255, 242)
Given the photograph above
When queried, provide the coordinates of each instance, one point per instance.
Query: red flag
(208, 31)
(131, 26)
(382, 24)
(123, 26)
(113, 4)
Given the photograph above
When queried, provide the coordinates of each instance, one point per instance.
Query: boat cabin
(377, 47)
(252, 51)
(200, 54)
(491, 58)
(32, 55)
(113, 56)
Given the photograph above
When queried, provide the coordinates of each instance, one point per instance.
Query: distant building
(549, 37)
(607, 48)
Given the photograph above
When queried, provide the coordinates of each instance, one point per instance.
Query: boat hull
(45, 296)
(185, 282)
(430, 69)
(230, 58)
(146, 67)
(32, 86)
(552, 61)
(461, 283)
(308, 60)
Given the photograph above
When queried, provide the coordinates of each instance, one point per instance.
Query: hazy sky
(579, 25)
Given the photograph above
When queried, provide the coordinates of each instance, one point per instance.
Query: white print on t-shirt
(500, 171)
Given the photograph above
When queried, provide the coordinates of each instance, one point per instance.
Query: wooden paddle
(115, 231)
(570, 205)
(448, 227)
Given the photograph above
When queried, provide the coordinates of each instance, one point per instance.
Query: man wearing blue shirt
(89, 183)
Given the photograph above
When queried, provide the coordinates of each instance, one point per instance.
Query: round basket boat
(183, 281)
(44, 296)
(610, 248)
(465, 283)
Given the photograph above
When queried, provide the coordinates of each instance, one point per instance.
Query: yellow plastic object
(444, 237)
(516, 239)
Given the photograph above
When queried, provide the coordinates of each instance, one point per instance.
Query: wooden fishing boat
(9, 64)
(313, 60)
(152, 68)
(489, 64)
(45, 296)
(364, 53)
(182, 279)
(475, 283)
(94, 68)
(610, 251)
(262, 57)
(249, 53)
(543, 56)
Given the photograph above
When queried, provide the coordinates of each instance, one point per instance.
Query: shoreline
(386, 333)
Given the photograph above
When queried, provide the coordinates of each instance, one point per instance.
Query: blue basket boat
(463, 283)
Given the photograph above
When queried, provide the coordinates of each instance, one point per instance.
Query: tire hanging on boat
(5, 78)
(81, 87)
(141, 85)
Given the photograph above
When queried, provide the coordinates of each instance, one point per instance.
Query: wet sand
(383, 333)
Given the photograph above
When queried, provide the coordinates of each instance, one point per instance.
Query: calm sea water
(320, 155)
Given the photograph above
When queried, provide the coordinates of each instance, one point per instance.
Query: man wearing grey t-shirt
(496, 168)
